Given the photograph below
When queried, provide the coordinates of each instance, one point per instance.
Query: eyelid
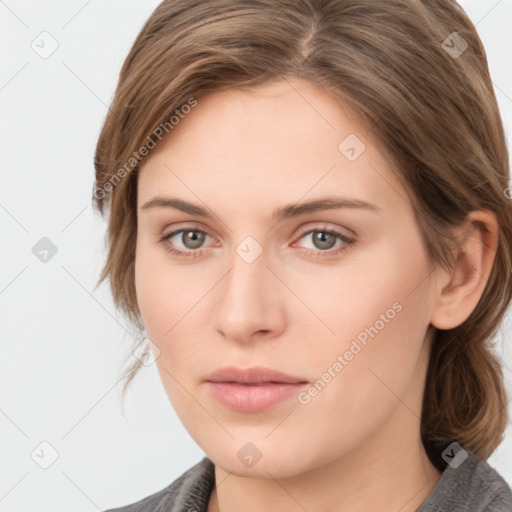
(187, 226)
(326, 229)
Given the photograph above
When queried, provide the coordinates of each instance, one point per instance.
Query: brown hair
(433, 110)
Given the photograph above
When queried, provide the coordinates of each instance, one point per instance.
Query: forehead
(276, 142)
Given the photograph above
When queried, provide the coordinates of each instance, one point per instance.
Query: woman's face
(338, 297)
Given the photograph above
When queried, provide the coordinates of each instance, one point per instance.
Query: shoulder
(474, 486)
(191, 490)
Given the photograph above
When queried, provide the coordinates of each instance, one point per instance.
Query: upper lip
(254, 375)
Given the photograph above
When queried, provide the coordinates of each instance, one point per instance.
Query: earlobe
(460, 291)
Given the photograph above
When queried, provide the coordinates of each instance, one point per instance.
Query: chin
(261, 459)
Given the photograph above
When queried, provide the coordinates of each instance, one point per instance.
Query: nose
(249, 302)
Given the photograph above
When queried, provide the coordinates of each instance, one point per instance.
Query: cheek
(367, 297)
(170, 300)
(154, 297)
(380, 330)
(159, 296)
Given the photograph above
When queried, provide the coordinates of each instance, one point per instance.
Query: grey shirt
(473, 487)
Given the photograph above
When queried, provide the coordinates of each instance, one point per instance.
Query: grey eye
(192, 239)
(322, 239)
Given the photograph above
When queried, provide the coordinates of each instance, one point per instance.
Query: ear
(458, 292)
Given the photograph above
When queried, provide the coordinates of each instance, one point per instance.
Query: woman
(310, 220)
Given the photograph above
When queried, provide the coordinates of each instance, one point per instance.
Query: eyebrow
(279, 214)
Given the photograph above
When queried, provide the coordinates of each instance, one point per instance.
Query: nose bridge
(246, 303)
(244, 285)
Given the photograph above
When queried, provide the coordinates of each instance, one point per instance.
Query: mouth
(253, 376)
(254, 389)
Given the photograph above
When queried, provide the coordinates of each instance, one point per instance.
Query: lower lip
(252, 398)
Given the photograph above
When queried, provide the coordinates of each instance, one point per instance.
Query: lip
(254, 375)
(253, 389)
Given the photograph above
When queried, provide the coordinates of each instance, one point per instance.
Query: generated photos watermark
(151, 143)
(342, 360)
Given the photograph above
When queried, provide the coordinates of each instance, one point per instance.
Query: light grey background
(62, 345)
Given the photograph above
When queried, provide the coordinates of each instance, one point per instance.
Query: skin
(356, 445)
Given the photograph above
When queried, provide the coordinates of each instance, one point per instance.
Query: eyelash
(348, 242)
